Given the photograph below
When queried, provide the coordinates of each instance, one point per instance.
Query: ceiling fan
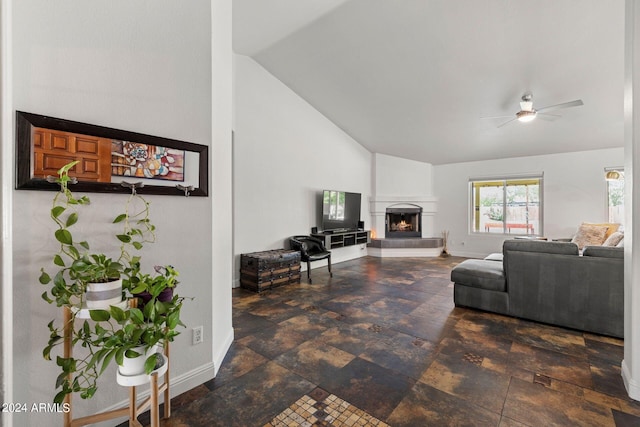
(527, 113)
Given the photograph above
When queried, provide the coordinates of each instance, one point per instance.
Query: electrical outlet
(197, 335)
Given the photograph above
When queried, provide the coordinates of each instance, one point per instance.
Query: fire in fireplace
(403, 222)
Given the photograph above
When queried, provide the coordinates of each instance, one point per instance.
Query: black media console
(341, 239)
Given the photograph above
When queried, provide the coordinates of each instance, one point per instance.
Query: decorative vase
(135, 365)
(100, 296)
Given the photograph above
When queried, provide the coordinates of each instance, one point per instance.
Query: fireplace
(403, 223)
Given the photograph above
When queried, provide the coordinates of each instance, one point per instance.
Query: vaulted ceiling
(414, 78)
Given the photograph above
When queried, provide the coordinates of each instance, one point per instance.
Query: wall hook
(186, 190)
(53, 179)
(132, 185)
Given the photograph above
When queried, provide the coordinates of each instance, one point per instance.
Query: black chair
(311, 249)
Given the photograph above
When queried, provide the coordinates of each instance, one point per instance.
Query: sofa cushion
(603, 251)
(614, 239)
(538, 246)
(612, 227)
(522, 245)
(590, 234)
(496, 256)
(480, 273)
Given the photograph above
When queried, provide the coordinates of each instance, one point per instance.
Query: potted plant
(116, 332)
(154, 294)
(137, 332)
(82, 277)
(159, 287)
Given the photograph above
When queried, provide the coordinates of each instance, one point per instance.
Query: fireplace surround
(422, 245)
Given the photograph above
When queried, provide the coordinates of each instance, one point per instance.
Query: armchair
(311, 249)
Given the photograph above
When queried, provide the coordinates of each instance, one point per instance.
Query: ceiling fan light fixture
(527, 113)
(526, 116)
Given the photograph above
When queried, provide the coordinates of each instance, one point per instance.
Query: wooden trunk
(269, 269)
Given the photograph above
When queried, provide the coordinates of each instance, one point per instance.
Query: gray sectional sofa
(548, 282)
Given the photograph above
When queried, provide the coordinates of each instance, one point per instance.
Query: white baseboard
(218, 358)
(632, 386)
(464, 254)
(183, 382)
(179, 385)
(192, 379)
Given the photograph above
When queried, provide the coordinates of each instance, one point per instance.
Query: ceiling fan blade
(576, 103)
(507, 122)
(548, 117)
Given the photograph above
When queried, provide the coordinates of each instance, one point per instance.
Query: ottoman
(481, 284)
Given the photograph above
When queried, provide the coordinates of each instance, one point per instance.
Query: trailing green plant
(134, 331)
(76, 265)
(138, 229)
(78, 374)
(116, 332)
(166, 278)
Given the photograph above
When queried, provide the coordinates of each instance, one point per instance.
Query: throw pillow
(620, 244)
(614, 239)
(613, 227)
(589, 234)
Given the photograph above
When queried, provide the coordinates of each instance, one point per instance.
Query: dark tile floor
(381, 341)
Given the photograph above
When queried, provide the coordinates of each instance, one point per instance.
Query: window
(507, 206)
(615, 196)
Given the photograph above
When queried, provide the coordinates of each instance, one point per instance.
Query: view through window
(507, 206)
(615, 198)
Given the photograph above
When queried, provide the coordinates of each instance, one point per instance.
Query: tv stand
(337, 230)
(338, 239)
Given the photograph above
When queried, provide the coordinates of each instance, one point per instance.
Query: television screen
(340, 210)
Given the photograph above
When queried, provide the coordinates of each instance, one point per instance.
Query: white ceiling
(413, 78)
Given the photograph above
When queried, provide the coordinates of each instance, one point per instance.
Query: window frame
(505, 181)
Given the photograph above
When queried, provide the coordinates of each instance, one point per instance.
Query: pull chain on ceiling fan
(527, 113)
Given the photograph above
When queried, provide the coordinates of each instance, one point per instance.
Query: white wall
(143, 66)
(222, 188)
(401, 182)
(6, 191)
(285, 154)
(395, 176)
(574, 191)
(630, 366)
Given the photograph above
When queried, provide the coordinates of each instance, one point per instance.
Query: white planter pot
(100, 296)
(135, 365)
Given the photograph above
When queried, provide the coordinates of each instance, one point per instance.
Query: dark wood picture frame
(26, 122)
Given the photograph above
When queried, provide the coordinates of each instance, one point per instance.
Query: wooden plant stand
(134, 409)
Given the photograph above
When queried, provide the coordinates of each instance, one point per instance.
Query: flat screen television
(340, 210)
